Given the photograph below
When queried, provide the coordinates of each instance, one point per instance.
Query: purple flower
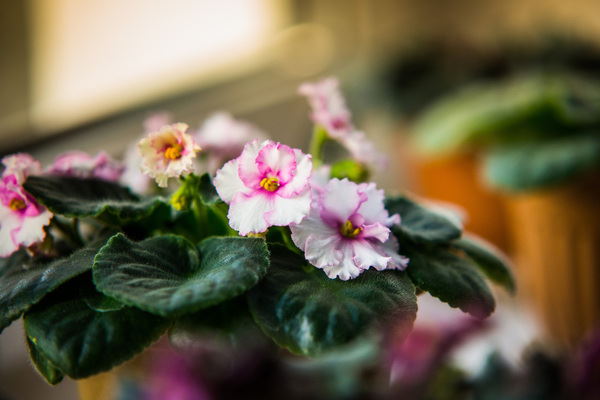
(268, 184)
(347, 231)
(82, 165)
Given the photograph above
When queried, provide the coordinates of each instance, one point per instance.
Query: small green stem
(70, 232)
(319, 137)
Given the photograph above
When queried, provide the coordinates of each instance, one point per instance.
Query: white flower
(347, 231)
(268, 184)
(168, 153)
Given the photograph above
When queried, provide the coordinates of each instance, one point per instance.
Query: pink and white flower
(21, 165)
(267, 185)
(168, 153)
(22, 219)
(347, 231)
(328, 107)
(80, 164)
(223, 137)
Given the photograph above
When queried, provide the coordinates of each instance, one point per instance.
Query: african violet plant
(99, 272)
(534, 130)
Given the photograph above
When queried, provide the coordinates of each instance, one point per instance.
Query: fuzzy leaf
(82, 342)
(25, 284)
(527, 166)
(419, 224)
(303, 310)
(49, 372)
(452, 279)
(167, 275)
(490, 261)
(75, 197)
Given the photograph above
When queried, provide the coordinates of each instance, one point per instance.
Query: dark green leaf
(164, 275)
(75, 197)
(25, 285)
(82, 342)
(16, 260)
(208, 193)
(526, 166)
(450, 278)
(420, 224)
(49, 372)
(489, 260)
(308, 313)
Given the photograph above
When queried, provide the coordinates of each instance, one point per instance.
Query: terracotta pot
(455, 179)
(556, 242)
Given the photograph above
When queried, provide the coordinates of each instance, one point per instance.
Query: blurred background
(86, 74)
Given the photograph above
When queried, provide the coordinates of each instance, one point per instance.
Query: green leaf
(308, 313)
(24, 285)
(419, 224)
(208, 193)
(18, 259)
(164, 275)
(450, 278)
(49, 372)
(82, 342)
(491, 262)
(75, 197)
(527, 166)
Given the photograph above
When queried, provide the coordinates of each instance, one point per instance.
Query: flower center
(270, 184)
(350, 231)
(16, 204)
(173, 152)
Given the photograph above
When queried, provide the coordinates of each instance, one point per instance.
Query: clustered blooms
(329, 111)
(22, 219)
(267, 185)
(168, 153)
(82, 165)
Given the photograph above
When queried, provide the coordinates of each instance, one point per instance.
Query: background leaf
(164, 275)
(419, 224)
(75, 197)
(24, 285)
(490, 261)
(527, 166)
(308, 313)
(49, 372)
(82, 342)
(450, 278)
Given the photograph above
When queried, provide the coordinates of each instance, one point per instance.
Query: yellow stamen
(270, 184)
(173, 152)
(16, 204)
(350, 231)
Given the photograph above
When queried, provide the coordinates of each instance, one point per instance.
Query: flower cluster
(83, 165)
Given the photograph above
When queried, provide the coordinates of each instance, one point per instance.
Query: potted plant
(538, 141)
(276, 238)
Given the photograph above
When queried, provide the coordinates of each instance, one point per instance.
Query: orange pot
(556, 242)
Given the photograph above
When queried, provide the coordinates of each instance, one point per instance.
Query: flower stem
(319, 137)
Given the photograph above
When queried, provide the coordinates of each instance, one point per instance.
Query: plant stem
(319, 137)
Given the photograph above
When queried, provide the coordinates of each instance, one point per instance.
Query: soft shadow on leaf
(43, 366)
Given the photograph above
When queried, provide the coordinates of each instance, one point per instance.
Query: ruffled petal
(322, 252)
(390, 249)
(277, 160)
(300, 180)
(312, 225)
(288, 210)
(247, 168)
(345, 268)
(247, 212)
(365, 256)
(10, 223)
(372, 209)
(340, 200)
(32, 229)
(375, 231)
(228, 183)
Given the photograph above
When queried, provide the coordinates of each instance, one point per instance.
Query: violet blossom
(80, 164)
(168, 153)
(223, 137)
(268, 184)
(347, 231)
(22, 219)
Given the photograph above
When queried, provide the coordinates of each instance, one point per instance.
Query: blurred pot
(556, 240)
